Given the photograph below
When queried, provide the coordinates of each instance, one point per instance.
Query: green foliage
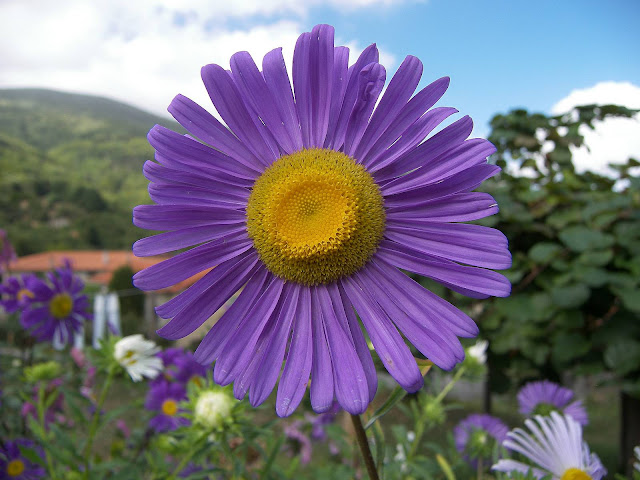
(575, 240)
(71, 170)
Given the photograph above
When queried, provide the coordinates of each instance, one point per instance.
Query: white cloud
(144, 52)
(613, 140)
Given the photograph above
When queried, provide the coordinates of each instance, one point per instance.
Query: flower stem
(364, 447)
(187, 458)
(450, 385)
(42, 411)
(93, 428)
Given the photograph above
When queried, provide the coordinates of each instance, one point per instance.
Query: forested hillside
(70, 169)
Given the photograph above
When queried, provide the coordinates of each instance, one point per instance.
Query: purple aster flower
(313, 201)
(300, 442)
(58, 308)
(477, 435)
(14, 465)
(319, 422)
(544, 397)
(7, 253)
(18, 292)
(164, 398)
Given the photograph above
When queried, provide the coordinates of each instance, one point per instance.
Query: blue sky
(500, 54)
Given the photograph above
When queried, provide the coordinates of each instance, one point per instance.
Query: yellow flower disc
(15, 468)
(315, 216)
(61, 305)
(575, 474)
(169, 407)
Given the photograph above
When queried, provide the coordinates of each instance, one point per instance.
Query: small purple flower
(7, 253)
(476, 436)
(190, 370)
(14, 465)
(164, 398)
(320, 421)
(58, 308)
(301, 441)
(544, 397)
(17, 293)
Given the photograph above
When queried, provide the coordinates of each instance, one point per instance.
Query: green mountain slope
(71, 169)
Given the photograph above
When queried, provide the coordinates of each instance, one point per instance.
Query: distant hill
(71, 169)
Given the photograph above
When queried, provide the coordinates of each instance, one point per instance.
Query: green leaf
(580, 238)
(623, 356)
(396, 396)
(568, 346)
(570, 296)
(544, 252)
(596, 258)
(630, 298)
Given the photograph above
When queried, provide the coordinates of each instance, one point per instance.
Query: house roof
(97, 265)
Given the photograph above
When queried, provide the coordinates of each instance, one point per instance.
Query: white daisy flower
(138, 357)
(212, 408)
(479, 351)
(555, 445)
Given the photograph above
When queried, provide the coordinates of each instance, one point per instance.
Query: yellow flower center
(15, 468)
(61, 305)
(315, 216)
(169, 407)
(575, 474)
(23, 294)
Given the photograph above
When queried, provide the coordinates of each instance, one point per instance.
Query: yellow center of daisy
(23, 294)
(169, 407)
(315, 216)
(575, 474)
(15, 468)
(61, 305)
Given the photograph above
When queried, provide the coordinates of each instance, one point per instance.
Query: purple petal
(430, 335)
(196, 156)
(461, 207)
(179, 175)
(457, 277)
(455, 320)
(255, 89)
(187, 264)
(205, 126)
(471, 244)
(321, 370)
(271, 362)
(295, 374)
(339, 87)
(398, 93)
(344, 312)
(398, 195)
(211, 345)
(394, 353)
(277, 79)
(165, 194)
(187, 237)
(410, 114)
(320, 78)
(368, 56)
(433, 147)
(174, 217)
(237, 351)
(370, 84)
(301, 86)
(411, 137)
(228, 101)
(221, 282)
(351, 387)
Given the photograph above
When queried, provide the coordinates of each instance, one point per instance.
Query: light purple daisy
(17, 292)
(14, 465)
(58, 308)
(164, 398)
(544, 397)
(555, 446)
(313, 199)
(476, 436)
(7, 253)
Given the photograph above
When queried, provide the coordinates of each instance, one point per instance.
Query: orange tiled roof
(98, 265)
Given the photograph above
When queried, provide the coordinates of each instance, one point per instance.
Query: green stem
(450, 385)
(480, 468)
(420, 424)
(93, 428)
(192, 451)
(43, 426)
(364, 447)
